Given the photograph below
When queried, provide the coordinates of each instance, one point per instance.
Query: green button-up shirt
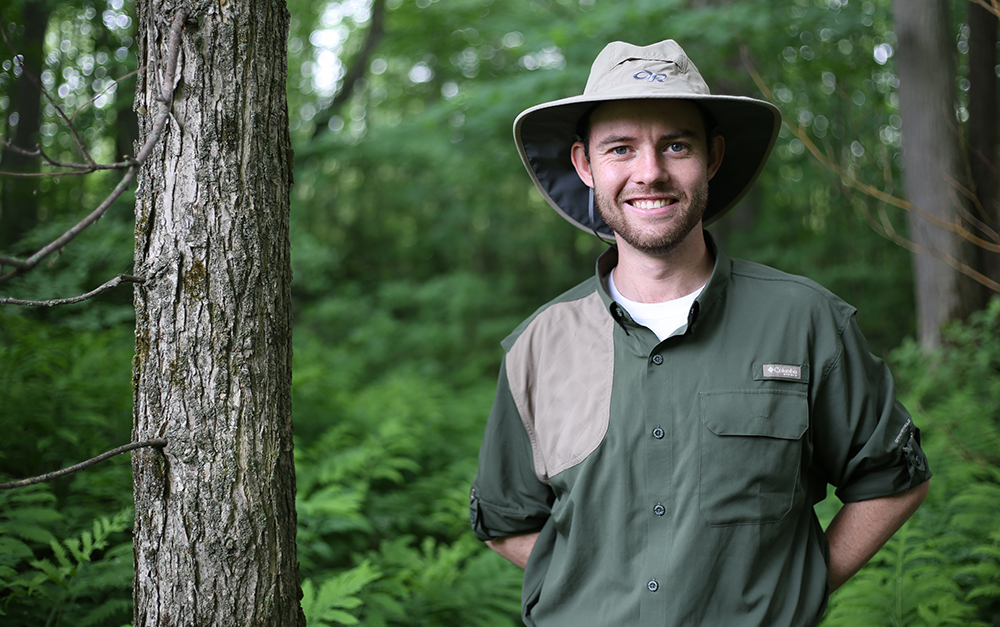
(673, 481)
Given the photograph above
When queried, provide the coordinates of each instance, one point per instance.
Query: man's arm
(860, 529)
(517, 549)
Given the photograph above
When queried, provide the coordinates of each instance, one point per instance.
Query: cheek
(693, 174)
(609, 177)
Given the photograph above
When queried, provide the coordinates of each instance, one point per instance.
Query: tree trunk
(983, 129)
(215, 511)
(933, 165)
(18, 199)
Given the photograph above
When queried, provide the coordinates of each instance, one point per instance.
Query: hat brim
(545, 134)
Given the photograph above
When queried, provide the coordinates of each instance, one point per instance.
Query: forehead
(658, 114)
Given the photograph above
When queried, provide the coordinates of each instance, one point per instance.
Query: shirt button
(652, 585)
(659, 510)
(658, 433)
(657, 359)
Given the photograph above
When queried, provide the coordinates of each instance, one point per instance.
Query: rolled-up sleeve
(865, 440)
(507, 497)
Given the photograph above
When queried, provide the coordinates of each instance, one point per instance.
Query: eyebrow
(678, 134)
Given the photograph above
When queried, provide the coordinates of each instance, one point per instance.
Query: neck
(647, 278)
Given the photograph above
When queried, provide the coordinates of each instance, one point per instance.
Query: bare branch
(157, 443)
(884, 227)
(993, 6)
(852, 181)
(10, 261)
(165, 102)
(113, 283)
(41, 88)
(919, 249)
(101, 93)
(39, 153)
(68, 236)
(77, 168)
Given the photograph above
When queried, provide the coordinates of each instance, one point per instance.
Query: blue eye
(677, 147)
(620, 150)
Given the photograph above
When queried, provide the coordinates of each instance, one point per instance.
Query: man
(662, 431)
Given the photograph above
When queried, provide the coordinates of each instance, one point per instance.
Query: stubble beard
(673, 231)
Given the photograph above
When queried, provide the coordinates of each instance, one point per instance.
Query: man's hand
(517, 549)
(860, 529)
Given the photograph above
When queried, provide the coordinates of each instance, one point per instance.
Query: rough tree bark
(933, 164)
(215, 512)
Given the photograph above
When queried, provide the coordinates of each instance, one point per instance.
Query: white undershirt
(660, 318)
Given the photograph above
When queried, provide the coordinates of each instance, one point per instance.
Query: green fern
(433, 583)
(329, 604)
(907, 584)
(82, 573)
(26, 516)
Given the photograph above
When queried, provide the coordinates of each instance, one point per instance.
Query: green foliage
(64, 397)
(65, 394)
(26, 515)
(81, 580)
(325, 607)
(903, 586)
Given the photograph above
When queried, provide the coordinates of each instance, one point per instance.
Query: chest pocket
(751, 454)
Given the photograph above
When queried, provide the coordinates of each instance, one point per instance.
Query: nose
(650, 168)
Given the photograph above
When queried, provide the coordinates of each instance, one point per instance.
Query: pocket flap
(769, 413)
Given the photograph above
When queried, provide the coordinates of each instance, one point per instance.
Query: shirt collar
(708, 297)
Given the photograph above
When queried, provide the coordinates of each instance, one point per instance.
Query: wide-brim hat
(545, 133)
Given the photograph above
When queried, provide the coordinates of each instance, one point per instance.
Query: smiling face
(649, 165)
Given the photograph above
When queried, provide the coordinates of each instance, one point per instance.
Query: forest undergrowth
(389, 411)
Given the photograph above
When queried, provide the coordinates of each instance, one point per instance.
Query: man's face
(649, 166)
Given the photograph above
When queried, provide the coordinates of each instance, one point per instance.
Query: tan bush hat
(545, 133)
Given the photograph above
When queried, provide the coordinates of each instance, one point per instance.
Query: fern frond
(325, 606)
(60, 554)
(52, 572)
(103, 613)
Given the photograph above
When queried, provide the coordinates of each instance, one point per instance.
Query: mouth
(652, 204)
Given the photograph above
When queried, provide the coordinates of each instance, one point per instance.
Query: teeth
(650, 204)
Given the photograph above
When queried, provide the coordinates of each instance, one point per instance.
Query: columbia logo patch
(781, 371)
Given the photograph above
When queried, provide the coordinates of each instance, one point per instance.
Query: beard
(655, 240)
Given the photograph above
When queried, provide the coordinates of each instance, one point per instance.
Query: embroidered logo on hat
(646, 75)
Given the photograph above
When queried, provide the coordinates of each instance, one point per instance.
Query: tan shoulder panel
(560, 372)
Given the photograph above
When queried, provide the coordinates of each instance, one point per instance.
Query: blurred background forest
(418, 243)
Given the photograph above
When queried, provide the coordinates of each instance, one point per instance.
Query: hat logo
(646, 75)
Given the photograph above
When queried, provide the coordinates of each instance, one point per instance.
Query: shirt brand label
(779, 371)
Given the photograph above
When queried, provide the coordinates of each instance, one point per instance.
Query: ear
(582, 164)
(717, 148)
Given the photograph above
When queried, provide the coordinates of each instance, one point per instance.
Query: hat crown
(655, 71)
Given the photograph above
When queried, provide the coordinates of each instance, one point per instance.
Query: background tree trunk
(18, 199)
(215, 512)
(933, 164)
(983, 128)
